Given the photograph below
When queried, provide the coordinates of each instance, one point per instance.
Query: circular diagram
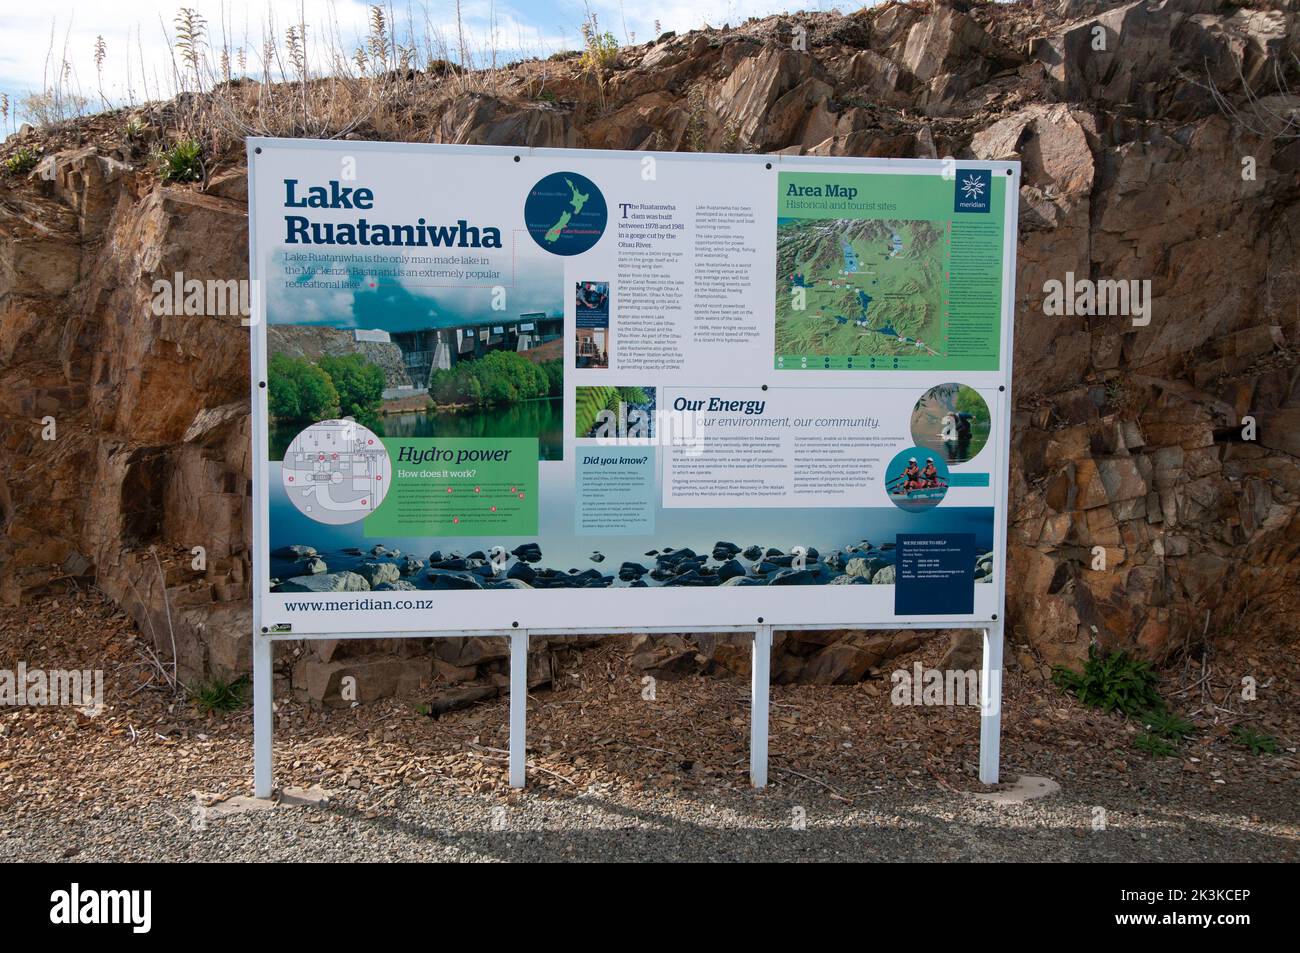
(565, 213)
(951, 421)
(336, 471)
(916, 480)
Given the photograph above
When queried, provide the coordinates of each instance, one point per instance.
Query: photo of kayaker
(916, 480)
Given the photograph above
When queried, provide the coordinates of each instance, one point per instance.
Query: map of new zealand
(565, 213)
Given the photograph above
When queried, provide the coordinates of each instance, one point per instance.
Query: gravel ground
(614, 777)
(889, 825)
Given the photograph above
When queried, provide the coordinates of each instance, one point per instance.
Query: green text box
(465, 486)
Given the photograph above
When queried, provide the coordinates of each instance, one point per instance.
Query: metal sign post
(518, 706)
(759, 695)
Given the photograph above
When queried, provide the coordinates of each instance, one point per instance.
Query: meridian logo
(974, 190)
(75, 906)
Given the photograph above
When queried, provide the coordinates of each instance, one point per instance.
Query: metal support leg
(518, 706)
(991, 704)
(759, 688)
(263, 716)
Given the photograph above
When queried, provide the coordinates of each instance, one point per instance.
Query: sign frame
(519, 631)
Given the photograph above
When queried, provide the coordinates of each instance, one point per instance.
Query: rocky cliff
(1159, 143)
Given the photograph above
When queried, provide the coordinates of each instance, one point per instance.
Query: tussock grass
(216, 695)
(295, 79)
(182, 162)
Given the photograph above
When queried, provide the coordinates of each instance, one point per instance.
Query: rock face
(1140, 516)
(151, 446)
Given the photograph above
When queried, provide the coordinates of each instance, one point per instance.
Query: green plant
(697, 125)
(22, 161)
(1168, 724)
(502, 377)
(1257, 743)
(1154, 745)
(216, 695)
(298, 390)
(599, 49)
(730, 136)
(554, 371)
(590, 401)
(183, 162)
(191, 34)
(360, 386)
(1112, 682)
(134, 128)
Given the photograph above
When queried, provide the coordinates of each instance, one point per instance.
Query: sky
(37, 38)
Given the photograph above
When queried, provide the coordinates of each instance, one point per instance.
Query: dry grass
(294, 79)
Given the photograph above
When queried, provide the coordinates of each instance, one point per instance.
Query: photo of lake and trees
(407, 360)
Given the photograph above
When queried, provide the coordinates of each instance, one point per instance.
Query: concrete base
(1027, 787)
(240, 804)
(304, 797)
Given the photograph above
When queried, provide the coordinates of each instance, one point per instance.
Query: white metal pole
(263, 723)
(991, 704)
(518, 705)
(759, 688)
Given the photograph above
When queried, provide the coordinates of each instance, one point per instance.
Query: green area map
(866, 288)
(881, 271)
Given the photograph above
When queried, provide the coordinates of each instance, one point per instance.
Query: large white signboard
(504, 388)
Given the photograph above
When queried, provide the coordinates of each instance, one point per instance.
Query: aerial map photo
(870, 288)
